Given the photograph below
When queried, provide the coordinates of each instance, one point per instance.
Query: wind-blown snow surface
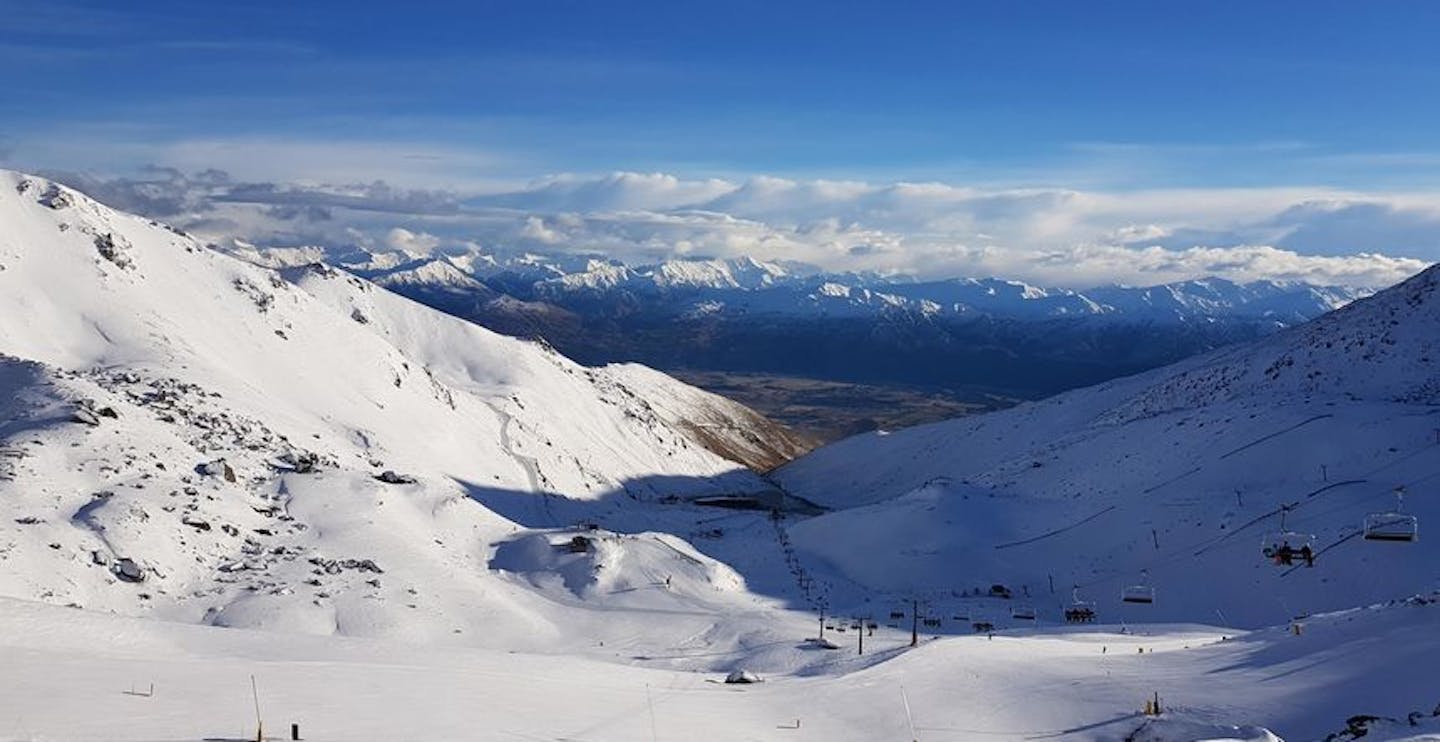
(1181, 471)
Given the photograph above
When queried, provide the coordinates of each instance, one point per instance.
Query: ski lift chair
(1394, 526)
(1079, 611)
(1285, 547)
(1141, 594)
(1288, 548)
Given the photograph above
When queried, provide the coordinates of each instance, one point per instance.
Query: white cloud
(419, 243)
(1062, 237)
(616, 191)
(536, 230)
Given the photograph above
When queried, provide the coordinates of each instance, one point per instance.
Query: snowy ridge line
(1057, 531)
(1277, 433)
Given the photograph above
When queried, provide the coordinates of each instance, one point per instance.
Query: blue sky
(1297, 102)
(1215, 93)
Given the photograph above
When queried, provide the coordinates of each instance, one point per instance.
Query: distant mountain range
(752, 316)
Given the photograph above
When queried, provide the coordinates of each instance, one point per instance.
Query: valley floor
(77, 675)
(828, 410)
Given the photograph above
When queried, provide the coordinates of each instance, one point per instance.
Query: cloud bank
(1054, 236)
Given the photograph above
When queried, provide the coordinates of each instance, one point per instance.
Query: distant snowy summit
(750, 285)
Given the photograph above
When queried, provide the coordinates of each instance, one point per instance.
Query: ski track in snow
(526, 463)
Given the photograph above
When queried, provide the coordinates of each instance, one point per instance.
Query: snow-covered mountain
(406, 524)
(978, 335)
(1171, 479)
(222, 432)
(747, 285)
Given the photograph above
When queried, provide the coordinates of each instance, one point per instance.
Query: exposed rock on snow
(390, 477)
(113, 249)
(54, 195)
(127, 570)
(217, 468)
(742, 677)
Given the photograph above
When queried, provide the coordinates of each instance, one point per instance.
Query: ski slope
(1079, 685)
(1175, 476)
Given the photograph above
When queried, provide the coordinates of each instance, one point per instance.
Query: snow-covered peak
(598, 275)
(433, 273)
(227, 428)
(739, 273)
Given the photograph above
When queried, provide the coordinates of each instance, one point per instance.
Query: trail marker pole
(651, 704)
(914, 622)
(259, 725)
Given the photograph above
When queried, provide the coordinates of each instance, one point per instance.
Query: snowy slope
(166, 404)
(146, 680)
(1181, 471)
(738, 432)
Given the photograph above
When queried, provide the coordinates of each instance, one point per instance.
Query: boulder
(742, 677)
(56, 197)
(390, 477)
(127, 570)
(217, 468)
